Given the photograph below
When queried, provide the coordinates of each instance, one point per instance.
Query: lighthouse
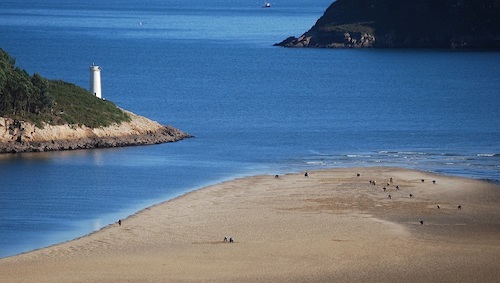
(95, 80)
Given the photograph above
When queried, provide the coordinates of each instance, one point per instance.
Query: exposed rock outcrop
(331, 40)
(18, 136)
(405, 24)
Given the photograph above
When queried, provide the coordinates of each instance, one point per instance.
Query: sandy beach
(332, 226)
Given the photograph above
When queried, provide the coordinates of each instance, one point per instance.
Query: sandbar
(334, 225)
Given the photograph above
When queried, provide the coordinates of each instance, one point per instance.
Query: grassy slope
(75, 105)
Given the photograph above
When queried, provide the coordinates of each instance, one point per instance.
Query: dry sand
(329, 227)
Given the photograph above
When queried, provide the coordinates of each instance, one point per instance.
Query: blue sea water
(209, 68)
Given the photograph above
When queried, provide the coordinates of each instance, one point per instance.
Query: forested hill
(38, 100)
(405, 23)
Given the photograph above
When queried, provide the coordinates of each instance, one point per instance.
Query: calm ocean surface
(209, 68)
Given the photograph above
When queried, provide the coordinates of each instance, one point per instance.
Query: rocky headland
(457, 24)
(20, 136)
(37, 114)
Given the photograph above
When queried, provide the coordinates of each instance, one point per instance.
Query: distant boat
(266, 5)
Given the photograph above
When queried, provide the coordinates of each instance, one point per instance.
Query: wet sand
(332, 226)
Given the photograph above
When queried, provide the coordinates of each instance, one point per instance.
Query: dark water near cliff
(209, 69)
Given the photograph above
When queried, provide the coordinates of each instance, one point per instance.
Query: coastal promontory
(458, 24)
(37, 114)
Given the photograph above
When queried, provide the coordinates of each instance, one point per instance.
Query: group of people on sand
(228, 240)
(411, 195)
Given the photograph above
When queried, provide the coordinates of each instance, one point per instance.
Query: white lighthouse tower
(95, 80)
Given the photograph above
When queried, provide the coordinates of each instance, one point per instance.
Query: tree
(20, 93)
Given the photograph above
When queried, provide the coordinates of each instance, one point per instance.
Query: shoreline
(18, 137)
(267, 216)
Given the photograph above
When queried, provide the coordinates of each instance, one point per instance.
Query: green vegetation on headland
(38, 100)
(405, 24)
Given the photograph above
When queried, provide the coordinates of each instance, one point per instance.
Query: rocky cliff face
(405, 24)
(19, 136)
